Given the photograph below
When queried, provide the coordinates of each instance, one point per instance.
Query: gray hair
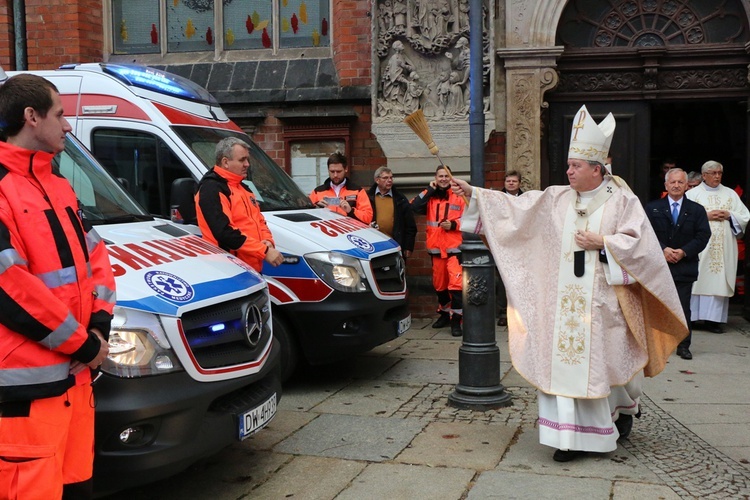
(381, 170)
(712, 165)
(694, 176)
(673, 170)
(226, 145)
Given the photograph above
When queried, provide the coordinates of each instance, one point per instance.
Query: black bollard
(479, 386)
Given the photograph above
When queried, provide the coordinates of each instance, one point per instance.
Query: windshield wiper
(123, 218)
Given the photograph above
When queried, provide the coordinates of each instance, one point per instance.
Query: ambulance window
(144, 164)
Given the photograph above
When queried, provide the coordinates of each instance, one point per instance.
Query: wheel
(289, 347)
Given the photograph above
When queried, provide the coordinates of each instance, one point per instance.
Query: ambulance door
(143, 159)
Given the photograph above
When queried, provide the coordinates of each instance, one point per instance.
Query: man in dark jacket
(392, 212)
(681, 225)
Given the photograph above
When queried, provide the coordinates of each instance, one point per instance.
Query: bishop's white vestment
(581, 331)
(717, 272)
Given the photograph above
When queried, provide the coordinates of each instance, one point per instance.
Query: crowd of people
(597, 292)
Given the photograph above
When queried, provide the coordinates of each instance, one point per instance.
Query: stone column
(529, 73)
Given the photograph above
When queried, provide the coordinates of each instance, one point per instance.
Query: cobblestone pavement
(686, 463)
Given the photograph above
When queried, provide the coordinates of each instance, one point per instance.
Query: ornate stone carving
(422, 49)
(605, 81)
(703, 79)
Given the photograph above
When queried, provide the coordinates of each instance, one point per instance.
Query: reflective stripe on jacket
(439, 209)
(56, 281)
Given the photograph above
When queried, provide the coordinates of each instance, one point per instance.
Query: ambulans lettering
(135, 256)
(340, 226)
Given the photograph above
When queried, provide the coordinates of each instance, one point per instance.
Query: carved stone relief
(422, 49)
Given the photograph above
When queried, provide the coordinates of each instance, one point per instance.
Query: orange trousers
(52, 445)
(447, 274)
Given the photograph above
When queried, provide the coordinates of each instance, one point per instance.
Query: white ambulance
(342, 287)
(193, 365)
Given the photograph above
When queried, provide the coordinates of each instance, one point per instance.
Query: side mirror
(182, 202)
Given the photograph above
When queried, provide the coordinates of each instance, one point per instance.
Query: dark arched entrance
(674, 73)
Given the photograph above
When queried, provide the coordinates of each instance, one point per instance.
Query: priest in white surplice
(591, 302)
(717, 274)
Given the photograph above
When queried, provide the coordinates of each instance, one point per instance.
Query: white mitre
(589, 141)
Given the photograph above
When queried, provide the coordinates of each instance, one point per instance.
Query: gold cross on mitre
(579, 125)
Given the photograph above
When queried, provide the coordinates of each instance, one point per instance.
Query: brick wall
(57, 32)
(7, 43)
(351, 41)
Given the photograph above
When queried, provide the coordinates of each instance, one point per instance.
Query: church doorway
(675, 75)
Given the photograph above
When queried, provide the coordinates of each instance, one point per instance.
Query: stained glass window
(245, 24)
(248, 25)
(135, 26)
(303, 23)
(190, 25)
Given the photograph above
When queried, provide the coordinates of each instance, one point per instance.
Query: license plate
(403, 325)
(254, 420)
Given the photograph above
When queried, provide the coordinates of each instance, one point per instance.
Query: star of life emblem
(169, 286)
(360, 243)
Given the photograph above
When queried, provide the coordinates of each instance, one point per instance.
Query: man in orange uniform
(228, 213)
(444, 209)
(339, 194)
(57, 293)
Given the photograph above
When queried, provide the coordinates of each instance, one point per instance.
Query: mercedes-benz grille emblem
(401, 268)
(253, 324)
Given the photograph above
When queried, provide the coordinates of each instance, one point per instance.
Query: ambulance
(341, 289)
(192, 366)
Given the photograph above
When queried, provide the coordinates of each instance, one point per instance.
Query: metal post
(479, 386)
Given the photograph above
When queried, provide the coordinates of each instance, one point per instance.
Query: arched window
(651, 23)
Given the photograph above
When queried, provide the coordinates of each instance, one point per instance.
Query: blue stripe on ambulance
(208, 290)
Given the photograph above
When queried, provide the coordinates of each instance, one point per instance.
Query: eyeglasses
(389, 178)
(714, 172)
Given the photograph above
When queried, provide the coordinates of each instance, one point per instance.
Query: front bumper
(184, 420)
(344, 324)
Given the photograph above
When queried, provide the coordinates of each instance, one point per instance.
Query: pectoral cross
(578, 126)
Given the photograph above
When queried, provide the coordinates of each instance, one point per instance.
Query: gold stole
(571, 346)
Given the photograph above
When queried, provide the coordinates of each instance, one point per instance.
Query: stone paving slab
(309, 478)
(390, 481)
(369, 397)
(510, 485)
(704, 413)
(375, 439)
(423, 371)
(285, 423)
(624, 490)
(472, 446)
(429, 349)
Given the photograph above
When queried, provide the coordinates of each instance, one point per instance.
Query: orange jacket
(230, 218)
(56, 281)
(353, 194)
(440, 206)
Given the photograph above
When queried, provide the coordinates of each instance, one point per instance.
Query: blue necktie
(675, 212)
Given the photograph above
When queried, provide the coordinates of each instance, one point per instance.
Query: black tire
(289, 347)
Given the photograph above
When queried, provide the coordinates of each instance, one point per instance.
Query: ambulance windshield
(102, 198)
(273, 188)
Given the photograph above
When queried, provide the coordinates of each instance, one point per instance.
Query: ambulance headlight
(141, 351)
(340, 272)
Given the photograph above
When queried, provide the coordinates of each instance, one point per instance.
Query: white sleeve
(615, 274)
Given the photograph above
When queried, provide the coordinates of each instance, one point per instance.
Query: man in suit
(682, 228)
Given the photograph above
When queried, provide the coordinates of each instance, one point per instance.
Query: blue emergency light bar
(159, 81)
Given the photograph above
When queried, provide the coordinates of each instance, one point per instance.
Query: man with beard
(339, 194)
(443, 209)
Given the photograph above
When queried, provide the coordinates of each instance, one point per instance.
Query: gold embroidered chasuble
(577, 336)
(717, 272)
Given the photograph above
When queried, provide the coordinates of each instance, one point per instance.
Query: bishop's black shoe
(567, 455)
(443, 321)
(624, 424)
